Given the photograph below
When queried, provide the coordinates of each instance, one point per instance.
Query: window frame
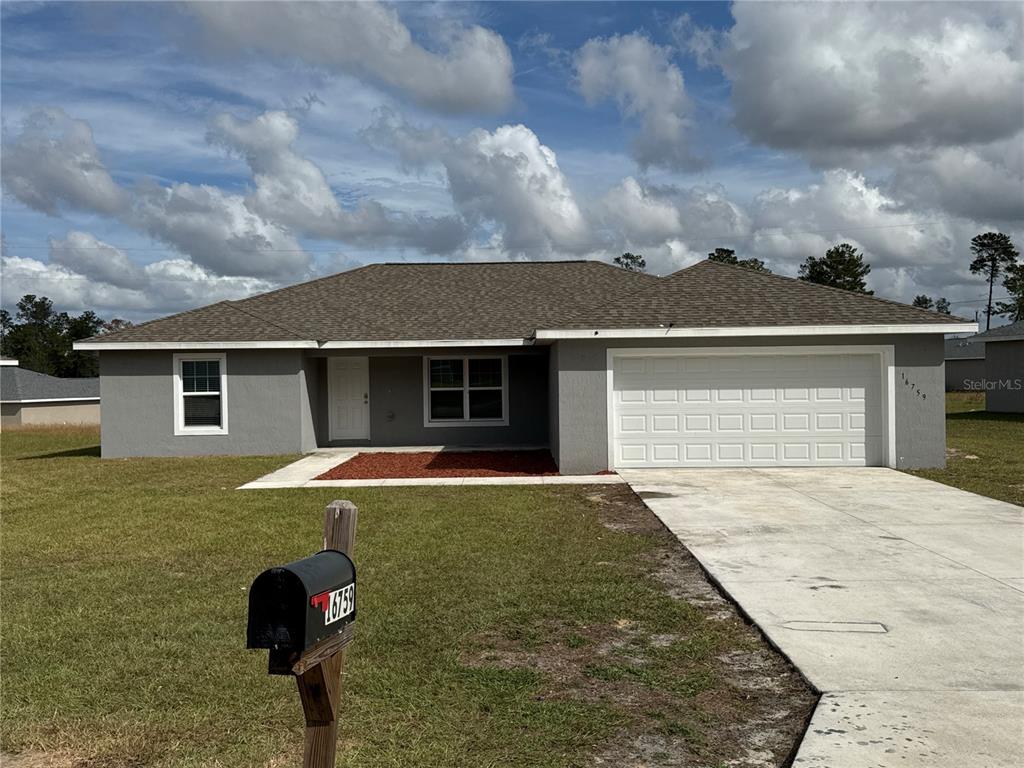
(465, 421)
(180, 394)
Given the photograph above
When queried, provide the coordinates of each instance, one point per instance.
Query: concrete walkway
(900, 599)
(302, 474)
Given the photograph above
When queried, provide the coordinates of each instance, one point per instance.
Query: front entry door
(349, 395)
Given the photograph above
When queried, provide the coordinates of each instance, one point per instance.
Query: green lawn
(498, 625)
(985, 451)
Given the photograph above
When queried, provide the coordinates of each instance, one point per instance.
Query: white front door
(747, 410)
(348, 390)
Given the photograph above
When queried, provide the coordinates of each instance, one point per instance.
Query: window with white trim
(200, 395)
(465, 390)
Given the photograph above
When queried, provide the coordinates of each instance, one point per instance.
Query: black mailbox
(293, 607)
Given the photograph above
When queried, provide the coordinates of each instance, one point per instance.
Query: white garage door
(747, 410)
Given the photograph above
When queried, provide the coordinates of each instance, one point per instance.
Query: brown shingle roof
(223, 321)
(710, 294)
(512, 300)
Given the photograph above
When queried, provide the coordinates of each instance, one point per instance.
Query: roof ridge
(770, 275)
(523, 262)
(234, 306)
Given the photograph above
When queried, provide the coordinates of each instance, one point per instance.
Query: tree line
(41, 338)
(993, 256)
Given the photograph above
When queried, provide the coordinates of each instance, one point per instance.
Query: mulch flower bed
(385, 466)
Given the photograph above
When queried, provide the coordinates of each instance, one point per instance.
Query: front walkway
(900, 599)
(302, 474)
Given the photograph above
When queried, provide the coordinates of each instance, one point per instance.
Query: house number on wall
(913, 387)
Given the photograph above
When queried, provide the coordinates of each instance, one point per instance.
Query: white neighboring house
(28, 398)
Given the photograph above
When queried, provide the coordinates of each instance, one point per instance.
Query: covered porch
(472, 397)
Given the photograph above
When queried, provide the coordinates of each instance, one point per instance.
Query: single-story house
(31, 398)
(714, 365)
(1004, 367)
(965, 364)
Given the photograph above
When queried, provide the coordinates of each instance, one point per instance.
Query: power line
(733, 237)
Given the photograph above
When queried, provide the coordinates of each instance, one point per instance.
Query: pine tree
(842, 266)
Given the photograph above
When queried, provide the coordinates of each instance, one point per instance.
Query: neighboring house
(1004, 367)
(714, 365)
(965, 364)
(30, 398)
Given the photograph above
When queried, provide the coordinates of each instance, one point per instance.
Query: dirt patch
(955, 453)
(386, 466)
(712, 693)
(68, 759)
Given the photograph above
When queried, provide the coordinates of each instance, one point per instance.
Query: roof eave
(761, 330)
(131, 346)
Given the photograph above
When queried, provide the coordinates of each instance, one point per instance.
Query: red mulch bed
(385, 466)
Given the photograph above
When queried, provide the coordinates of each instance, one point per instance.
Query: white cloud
(218, 231)
(703, 43)
(508, 177)
(54, 161)
(416, 147)
(985, 182)
(473, 71)
(641, 78)
(505, 180)
(673, 226)
(826, 76)
(292, 191)
(82, 253)
(791, 224)
(164, 286)
(640, 214)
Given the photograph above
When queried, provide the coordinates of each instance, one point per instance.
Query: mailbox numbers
(336, 604)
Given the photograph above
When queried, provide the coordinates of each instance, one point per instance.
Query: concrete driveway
(900, 599)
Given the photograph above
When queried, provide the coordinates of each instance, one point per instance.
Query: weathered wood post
(320, 686)
(303, 613)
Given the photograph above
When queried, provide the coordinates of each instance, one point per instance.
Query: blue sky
(162, 156)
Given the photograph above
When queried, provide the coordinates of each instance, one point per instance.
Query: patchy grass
(984, 451)
(524, 626)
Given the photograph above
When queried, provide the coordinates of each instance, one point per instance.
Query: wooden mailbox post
(291, 610)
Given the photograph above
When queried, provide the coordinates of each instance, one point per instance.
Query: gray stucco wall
(580, 367)
(1004, 377)
(264, 405)
(960, 373)
(396, 401)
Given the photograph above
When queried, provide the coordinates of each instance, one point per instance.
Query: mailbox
(293, 607)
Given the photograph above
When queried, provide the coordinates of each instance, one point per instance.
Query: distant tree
(940, 305)
(41, 338)
(728, 256)
(1013, 282)
(842, 266)
(994, 254)
(631, 262)
(115, 325)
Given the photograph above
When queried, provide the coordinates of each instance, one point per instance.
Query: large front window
(465, 390)
(200, 400)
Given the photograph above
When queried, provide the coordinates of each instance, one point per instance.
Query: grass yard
(984, 451)
(498, 626)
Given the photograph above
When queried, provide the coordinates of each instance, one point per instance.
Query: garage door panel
(759, 410)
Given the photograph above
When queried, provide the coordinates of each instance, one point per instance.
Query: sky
(163, 156)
